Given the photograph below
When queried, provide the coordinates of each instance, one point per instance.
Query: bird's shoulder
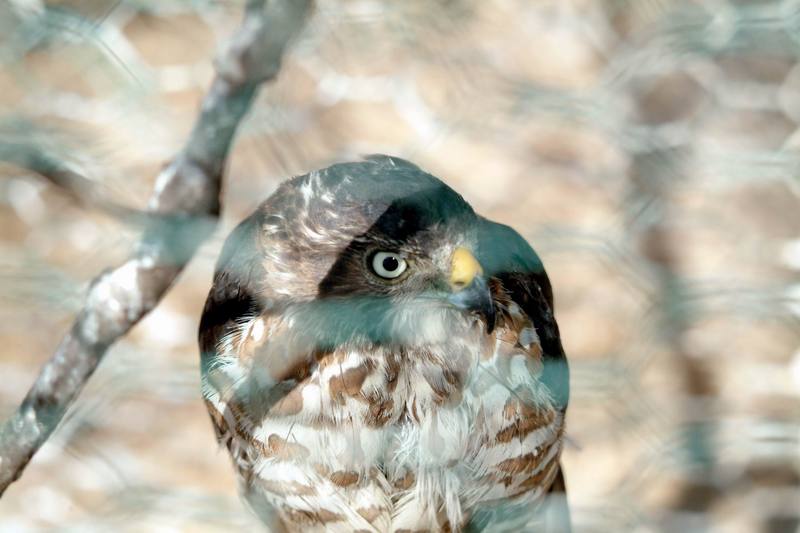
(519, 278)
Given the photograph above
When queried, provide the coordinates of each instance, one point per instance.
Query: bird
(376, 356)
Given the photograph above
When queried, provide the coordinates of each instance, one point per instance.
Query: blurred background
(648, 149)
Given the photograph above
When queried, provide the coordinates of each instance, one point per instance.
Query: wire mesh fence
(647, 149)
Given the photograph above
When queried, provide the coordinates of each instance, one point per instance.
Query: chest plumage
(382, 404)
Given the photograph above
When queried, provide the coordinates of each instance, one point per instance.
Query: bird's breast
(397, 431)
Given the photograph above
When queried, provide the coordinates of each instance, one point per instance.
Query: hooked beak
(470, 290)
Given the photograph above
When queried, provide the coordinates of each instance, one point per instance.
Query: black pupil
(390, 264)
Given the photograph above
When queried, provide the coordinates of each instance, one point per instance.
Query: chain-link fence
(648, 149)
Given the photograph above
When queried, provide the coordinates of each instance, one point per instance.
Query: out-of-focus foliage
(647, 148)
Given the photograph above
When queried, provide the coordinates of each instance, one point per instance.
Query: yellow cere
(463, 269)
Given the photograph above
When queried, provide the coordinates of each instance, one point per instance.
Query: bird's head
(378, 250)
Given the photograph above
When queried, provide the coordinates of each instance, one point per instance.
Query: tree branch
(186, 191)
(32, 156)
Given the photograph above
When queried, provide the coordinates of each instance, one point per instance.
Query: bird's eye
(388, 265)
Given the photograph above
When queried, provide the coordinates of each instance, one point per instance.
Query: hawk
(378, 357)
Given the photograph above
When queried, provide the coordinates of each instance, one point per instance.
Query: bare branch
(187, 190)
(32, 156)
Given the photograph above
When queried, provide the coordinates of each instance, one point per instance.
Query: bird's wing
(231, 299)
(507, 257)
